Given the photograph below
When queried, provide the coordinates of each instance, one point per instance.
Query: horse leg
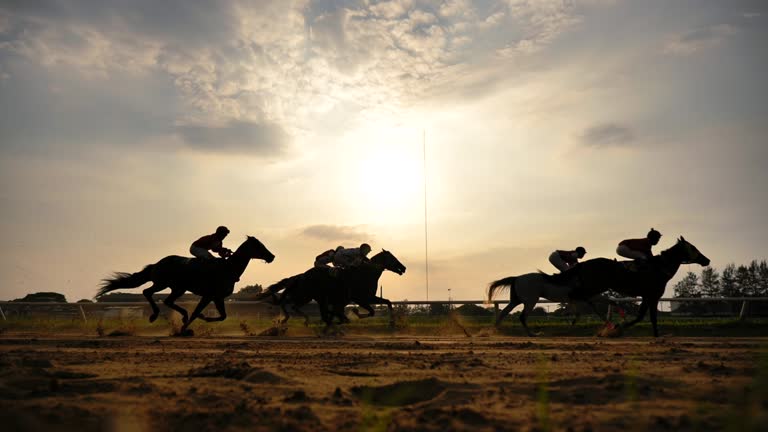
(575, 311)
(170, 302)
(640, 314)
(368, 308)
(504, 312)
(196, 313)
(654, 309)
(219, 302)
(527, 308)
(148, 294)
(300, 312)
(381, 300)
(286, 315)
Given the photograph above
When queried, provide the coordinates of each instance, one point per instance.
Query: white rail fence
(124, 310)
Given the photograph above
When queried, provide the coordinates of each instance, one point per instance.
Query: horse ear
(682, 238)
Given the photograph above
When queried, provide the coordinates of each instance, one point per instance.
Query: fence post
(744, 310)
(610, 312)
(495, 312)
(3, 314)
(82, 313)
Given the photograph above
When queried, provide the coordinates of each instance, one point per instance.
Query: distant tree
(710, 282)
(728, 285)
(249, 292)
(688, 286)
(744, 281)
(762, 278)
(473, 310)
(438, 309)
(43, 297)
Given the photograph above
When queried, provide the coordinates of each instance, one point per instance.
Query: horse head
(255, 249)
(689, 253)
(389, 261)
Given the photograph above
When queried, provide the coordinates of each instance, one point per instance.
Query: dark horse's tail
(125, 280)
(275, 288)
(502, 284)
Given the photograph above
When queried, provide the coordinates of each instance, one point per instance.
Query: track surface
(382, 383)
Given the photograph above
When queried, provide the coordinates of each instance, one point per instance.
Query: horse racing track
(382, 383)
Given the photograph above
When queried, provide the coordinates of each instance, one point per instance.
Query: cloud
(607, 135)
(698, 39)
(335, 233)
(263, 139)
(268, 70)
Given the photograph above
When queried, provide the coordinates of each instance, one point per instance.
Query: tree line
(742, 281)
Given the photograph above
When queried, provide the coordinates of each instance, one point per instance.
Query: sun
(391, 182)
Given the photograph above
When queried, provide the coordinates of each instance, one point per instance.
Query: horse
(333, 289)
(592, 277)
(527, 289)
(212, 279)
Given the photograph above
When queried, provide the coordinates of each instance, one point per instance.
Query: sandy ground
(353, 383)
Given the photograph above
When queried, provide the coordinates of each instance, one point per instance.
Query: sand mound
(400, 393)
(239, 371)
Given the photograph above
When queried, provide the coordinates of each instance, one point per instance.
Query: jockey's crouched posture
(211, 242)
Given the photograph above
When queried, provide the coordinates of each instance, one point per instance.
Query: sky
(130, 129)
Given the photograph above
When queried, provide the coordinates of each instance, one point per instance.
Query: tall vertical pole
(426, 243)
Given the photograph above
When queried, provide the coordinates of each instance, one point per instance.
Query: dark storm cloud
(607, 135)
(263, 139)
(335, 233)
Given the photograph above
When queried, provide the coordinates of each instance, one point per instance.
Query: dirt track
(382, 383)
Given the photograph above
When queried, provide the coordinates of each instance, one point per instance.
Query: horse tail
(283, 284)
(502, 284)
(125, 280)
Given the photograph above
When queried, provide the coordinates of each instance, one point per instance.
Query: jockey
(639, 249)
(211, 242)
(351, 257)
(326, 258)
(563, 260)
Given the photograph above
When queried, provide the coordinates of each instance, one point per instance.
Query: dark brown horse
(212, 279)
(334, 289)
(595, 276)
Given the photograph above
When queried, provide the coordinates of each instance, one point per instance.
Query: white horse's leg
(527, 308)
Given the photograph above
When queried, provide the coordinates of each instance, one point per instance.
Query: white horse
(527, 289)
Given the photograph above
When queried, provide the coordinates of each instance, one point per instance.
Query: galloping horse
(333, 292)
(212, 279)
(598, 275)
(527, 289)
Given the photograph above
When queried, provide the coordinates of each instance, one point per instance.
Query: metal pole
(82, 313)
(744, 310)
(426, 244)
(3, 314)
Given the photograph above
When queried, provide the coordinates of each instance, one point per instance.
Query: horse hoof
(153, 318)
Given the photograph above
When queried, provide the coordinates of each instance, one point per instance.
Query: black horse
(595, 276)
(212, 279)
(334, 289)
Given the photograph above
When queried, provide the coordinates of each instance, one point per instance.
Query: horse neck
(373, 268)
(670, 261)
(238, 261)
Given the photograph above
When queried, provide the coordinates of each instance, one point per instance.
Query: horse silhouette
(592, 277)
(526, 290)
(212, 279)
(334, 289)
